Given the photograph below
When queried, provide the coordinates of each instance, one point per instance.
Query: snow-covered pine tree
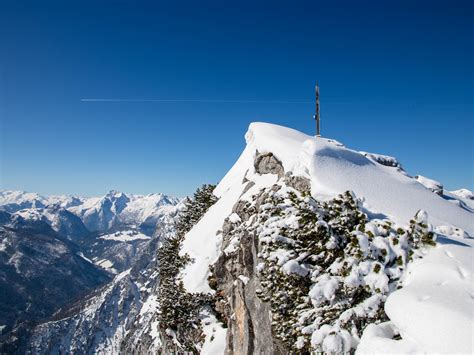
(179, 310)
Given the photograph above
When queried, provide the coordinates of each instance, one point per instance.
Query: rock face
(249, 319)
(299, 183)
(249, 330)
(268, 164)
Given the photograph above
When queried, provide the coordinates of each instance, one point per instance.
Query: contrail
(200, 100)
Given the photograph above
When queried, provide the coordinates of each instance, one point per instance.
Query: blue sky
(396, 78)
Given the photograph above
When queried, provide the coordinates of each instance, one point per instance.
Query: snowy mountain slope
(12, 201)
(464, 193)
(113, 251)
(112, 215)
(119, 317)
(387, 192)
(117, 208)
(118, 249)
(58, 218)
(131, 223)
(333, 168)
(463, 198)
(39, 271)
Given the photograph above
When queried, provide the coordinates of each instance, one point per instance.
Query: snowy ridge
(464, 193)
(97, 213)
(15, 200)
(386, 192)
(102, 213)
(333, 169)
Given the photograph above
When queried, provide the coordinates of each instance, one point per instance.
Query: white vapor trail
(198, 100)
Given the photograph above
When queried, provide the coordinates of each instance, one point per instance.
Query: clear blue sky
(396, 78)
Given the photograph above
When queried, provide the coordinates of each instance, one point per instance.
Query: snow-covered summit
(333, 168)
(387, 192)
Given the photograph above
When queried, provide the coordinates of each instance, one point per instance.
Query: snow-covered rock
(464, 193)
(383, 159)
(332, 169)
(430, 184)
(385, 192)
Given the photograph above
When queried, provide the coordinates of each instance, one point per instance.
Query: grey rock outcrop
(267, 163)
(248, 318)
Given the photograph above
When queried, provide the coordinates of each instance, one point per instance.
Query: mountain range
(56, 249)
(304, 246)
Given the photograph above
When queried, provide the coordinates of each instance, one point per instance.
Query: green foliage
(346, 264)
(195, 208)
(179, 310)
(420, 232)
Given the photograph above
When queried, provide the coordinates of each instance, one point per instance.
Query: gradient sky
(396, 78)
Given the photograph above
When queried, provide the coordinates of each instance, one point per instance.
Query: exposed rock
(240, 208)
(383, 160)
(300, 183)
(244, 180)
(249, 319)
(248, 186)
(267, 163)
